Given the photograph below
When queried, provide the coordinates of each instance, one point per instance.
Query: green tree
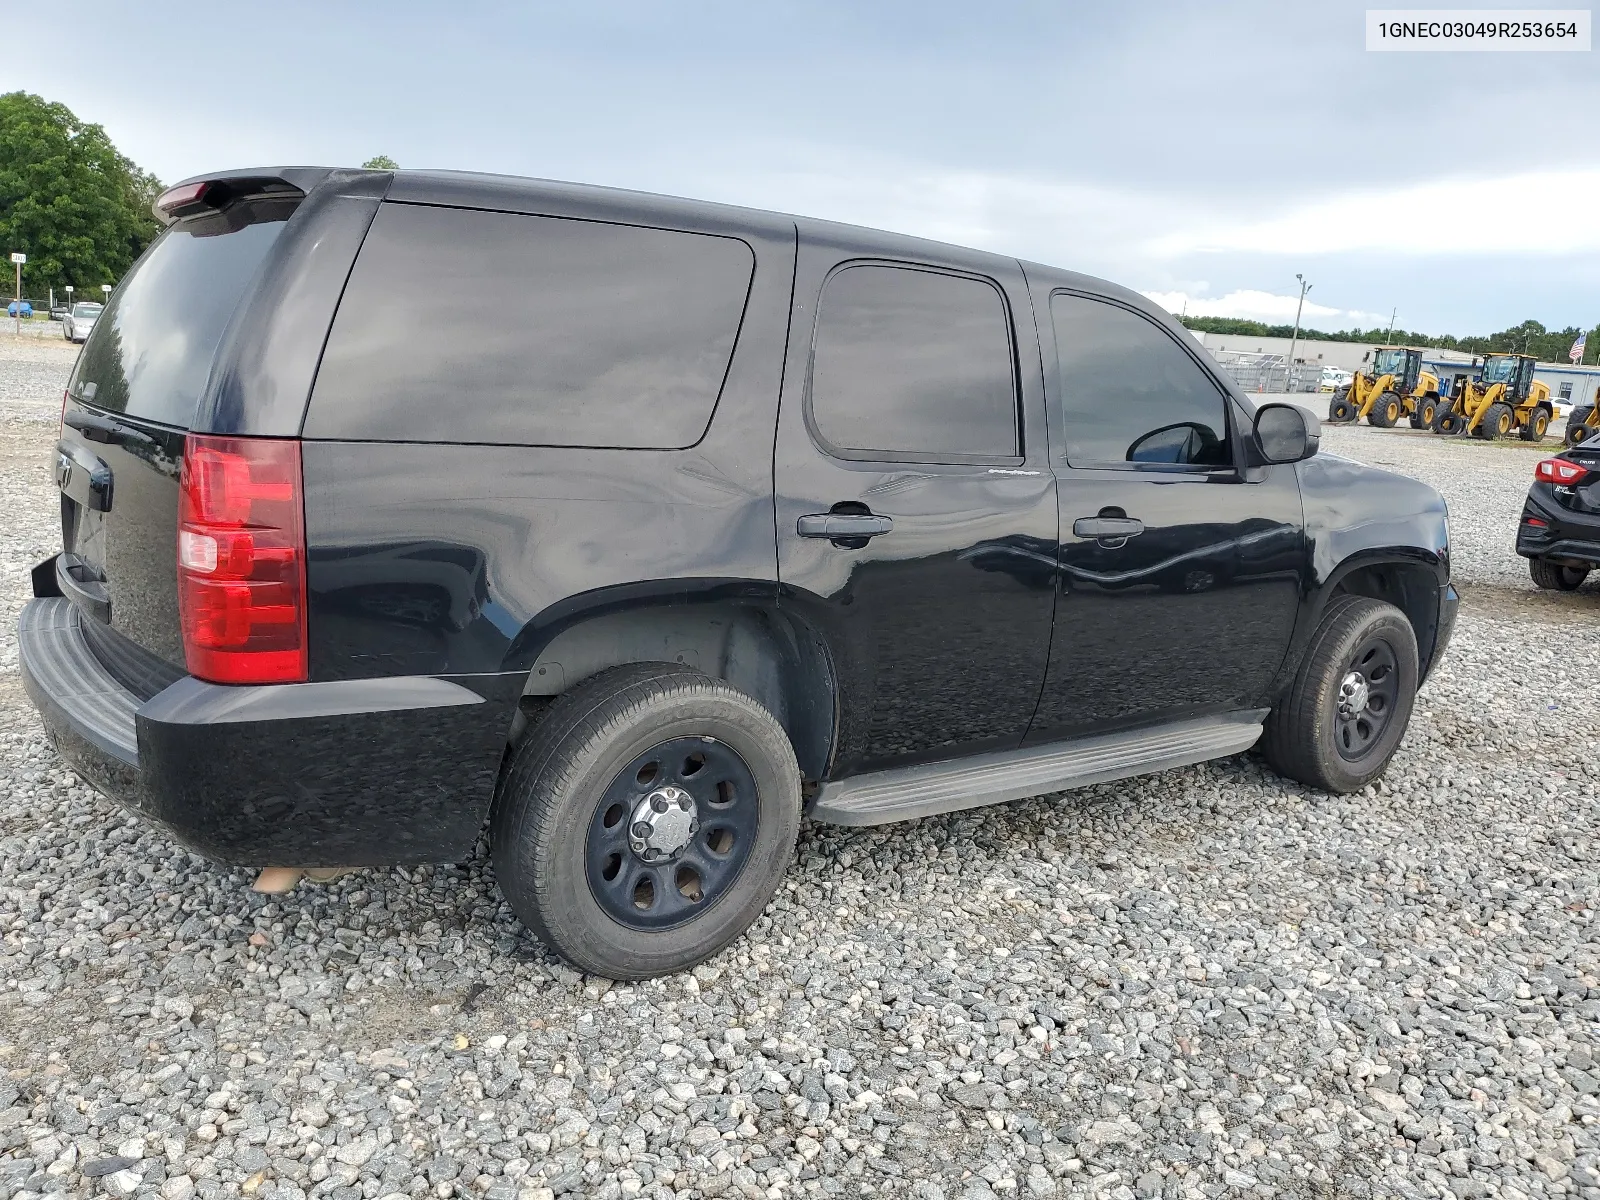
(381, 162)
(76, 207)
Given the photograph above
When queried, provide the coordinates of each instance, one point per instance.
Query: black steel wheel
(1342, 719)
(672, 832)
(1367, 696)
(646, 820)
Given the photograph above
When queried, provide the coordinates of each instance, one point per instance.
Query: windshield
(152, 354)
(1500, 368)
(86, 310)
(1389, 362)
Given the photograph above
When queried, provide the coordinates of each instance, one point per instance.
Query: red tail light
(242, 560)
(1559, 471)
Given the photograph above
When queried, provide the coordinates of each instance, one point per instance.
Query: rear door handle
(835, 526)
(1107, 528)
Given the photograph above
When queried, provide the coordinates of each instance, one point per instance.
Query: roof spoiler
(215, 192)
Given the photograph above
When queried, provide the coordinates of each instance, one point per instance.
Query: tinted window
(1129, 393)
(913, 364)
(152, 345)
(465, 326)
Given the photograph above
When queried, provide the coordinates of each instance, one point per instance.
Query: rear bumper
(362, 772)
(1566, 537)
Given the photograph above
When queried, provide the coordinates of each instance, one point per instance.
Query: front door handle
(842, 525)
(1107, 528)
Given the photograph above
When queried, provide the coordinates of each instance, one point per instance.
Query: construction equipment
(1504, 399)
(1583, 423)
(1395, 387)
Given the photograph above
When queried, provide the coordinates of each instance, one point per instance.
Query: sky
(1202, 153)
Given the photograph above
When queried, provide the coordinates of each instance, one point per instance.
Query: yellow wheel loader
(1583, 423)
(1504, 399)
(1395, 387)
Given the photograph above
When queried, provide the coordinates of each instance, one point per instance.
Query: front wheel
(1343, 717)
(646, 820)
(1555, 577)
(1496, 422)
(1385, 411)
(1422, 415)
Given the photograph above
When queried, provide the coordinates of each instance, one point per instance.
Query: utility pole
(1389, 336)
(1288, 372)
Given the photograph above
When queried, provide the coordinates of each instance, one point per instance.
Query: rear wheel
(1342, 719)
(1341, 408)
(1385, 411)
(1555, 577)
(1578, 427)
(646, 820)
(1534, 428)
(1496, 423)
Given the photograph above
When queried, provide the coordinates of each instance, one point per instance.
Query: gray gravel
(1206, 983)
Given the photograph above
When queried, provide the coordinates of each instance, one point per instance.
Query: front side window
(1129, 394)
(913, 365)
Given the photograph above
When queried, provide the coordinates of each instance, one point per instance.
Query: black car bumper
(362, 772)
(1449, 603)
(1551, 531)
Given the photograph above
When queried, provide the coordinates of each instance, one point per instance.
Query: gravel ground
(1205, 983)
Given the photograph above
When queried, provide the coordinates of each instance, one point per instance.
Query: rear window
(466, 326)
(153, 344)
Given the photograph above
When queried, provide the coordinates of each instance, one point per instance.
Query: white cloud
(1542, 212)
(1254, 305)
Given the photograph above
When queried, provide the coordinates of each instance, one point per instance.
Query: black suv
(398, 503)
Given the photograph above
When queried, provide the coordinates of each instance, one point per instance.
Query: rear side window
(152, 346)
(913, 365)
(466, 326)
(1129, 393)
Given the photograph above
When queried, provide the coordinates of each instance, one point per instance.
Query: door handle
(839, 525)
(1107, 528)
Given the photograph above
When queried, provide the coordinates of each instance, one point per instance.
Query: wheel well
(769, 656)
(1410, 587)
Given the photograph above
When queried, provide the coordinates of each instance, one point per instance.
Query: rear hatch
(133, 395)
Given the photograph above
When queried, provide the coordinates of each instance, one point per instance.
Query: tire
(1496, 423)
(1385, 411)
(565, 820)
(1311, 734)
(1556, 578)
(1422, 415)
(1533, 429)
(1448, 422)
(1341, 409)
(1578, 428)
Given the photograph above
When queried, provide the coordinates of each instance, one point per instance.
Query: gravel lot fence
(1206, 983)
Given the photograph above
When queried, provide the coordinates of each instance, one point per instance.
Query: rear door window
(152, 347)
(913, 365)
(1129, 394)
(465, 326)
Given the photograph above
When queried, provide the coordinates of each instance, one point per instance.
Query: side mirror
(1285, 433)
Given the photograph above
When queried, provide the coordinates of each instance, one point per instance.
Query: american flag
(1576, 353)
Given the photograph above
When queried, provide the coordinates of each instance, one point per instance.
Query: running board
(906, 793)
